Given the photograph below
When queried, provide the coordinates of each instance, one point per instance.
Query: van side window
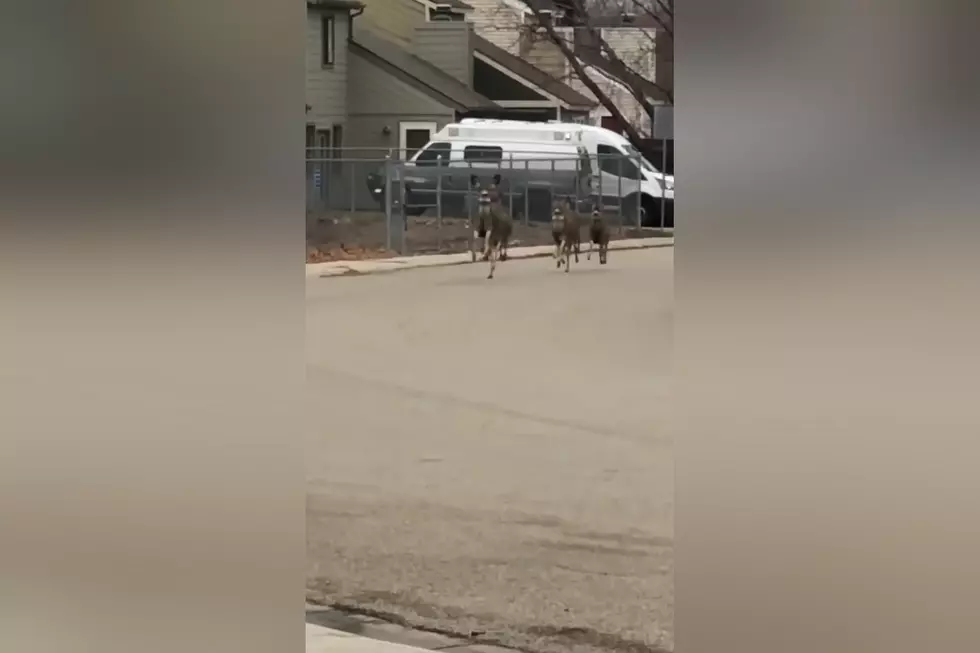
(431, 155)
(483, 153)
(616, 163)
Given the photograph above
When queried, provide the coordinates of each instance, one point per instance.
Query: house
(641, 44)
(384, 75)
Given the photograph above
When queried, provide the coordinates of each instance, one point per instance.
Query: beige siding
(371, 136)
(394, 20)
(446, 46)
(545, 55)
(635, 46)
(326, 88)
(500, 21)
(619, 95)
(497, 22)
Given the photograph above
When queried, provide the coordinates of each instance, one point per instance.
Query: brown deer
(494, 223)
(598, 235)
(566, 232)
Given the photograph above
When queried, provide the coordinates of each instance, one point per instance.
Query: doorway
(413, 136)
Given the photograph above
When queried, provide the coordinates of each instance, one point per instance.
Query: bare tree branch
(614, 58)
(661, 12)
(545, 20)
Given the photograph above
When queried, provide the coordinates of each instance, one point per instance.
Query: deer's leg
(475, 245)
(492, 257)
(588, 256)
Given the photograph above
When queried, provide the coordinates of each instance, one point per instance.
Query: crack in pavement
(484, 406)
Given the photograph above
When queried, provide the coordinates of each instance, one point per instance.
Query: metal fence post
(403, 210)
(389, 169)
(527, 191)
(353, 179)
(663, 179)
(552, 181)
(600, 200)
(619, 188)
(468, 198)
(510, 185)
(639, 194)
(439, 204)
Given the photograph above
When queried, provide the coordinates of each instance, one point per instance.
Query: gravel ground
(492, 457)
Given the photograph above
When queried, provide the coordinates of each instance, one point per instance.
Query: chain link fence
(370, 203)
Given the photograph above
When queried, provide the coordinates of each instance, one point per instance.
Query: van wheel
(629, 210)
(650, 213)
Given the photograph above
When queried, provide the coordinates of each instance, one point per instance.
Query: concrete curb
(329, 630)
(352, 268)
(320, 639)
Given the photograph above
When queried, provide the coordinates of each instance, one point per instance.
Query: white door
(413, 136)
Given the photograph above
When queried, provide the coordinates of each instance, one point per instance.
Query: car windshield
(635, 153)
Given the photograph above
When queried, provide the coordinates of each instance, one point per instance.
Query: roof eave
(339, 5)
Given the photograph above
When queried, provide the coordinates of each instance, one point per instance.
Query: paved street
(493, 456)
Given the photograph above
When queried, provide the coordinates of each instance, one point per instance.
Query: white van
(605, 147)
(615, 169)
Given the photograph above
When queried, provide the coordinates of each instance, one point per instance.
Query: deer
(494, 223)
(566, 232)
(598, 235)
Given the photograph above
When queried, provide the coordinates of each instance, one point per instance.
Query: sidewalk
(360, 634)
(342, 268)
(320, 639)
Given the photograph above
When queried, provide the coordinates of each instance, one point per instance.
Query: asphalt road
(493, 456)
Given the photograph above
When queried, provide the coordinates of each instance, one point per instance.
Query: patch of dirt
(345, 253)
(345, 236)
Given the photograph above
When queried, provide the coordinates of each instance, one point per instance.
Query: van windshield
(635, 153)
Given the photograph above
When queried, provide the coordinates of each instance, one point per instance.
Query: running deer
(566, 232)
(494, 223)
(598, 235)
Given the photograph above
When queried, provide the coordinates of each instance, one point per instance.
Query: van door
(585, 184)
(618, 177)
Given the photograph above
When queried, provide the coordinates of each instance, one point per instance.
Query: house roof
(531, 73)
(428, 75)
(334, 4)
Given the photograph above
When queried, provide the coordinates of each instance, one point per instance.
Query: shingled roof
(532, 73)
(439, 81)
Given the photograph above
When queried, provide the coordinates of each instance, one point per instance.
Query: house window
(483, 153)
(444, 13)
(328, 40)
